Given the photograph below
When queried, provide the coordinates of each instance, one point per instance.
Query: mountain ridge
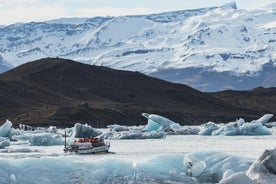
(54, 91)
(222, 41)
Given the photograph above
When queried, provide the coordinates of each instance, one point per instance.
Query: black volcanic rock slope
(61, 92)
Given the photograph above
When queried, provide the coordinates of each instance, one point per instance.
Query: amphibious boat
(87, 146)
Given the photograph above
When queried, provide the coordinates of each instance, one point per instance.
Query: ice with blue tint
(239, 127)
(40, 138)
(84, 131)
(160, 123)
(157, 122)
(208, 128)
(124, 132)
(4, 142)
(5, 129)
(264, 119)
(262, 171)
(68, 169)
(167, 168)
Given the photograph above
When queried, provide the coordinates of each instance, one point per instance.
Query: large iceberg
(167, 168)
(262, 171)
(160, 123)
(239, 127)
(5, 129)
(84, 131)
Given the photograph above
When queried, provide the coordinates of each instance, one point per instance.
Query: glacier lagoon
(37, 156)
(174, 159)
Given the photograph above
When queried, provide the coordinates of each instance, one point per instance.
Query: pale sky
(13, 11)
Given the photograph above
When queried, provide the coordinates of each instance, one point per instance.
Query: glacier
(180, 46)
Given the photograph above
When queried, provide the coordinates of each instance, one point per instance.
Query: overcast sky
(12, 11)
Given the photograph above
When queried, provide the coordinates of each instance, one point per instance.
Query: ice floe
(239, 127)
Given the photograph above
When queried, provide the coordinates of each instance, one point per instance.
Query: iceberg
(166, 168)
(160, 123)
(123, 132)
(261, 171)
(239, 127)
(40, 138)
(4, 142)
(84, 131)
(5, 129)
(208, 128)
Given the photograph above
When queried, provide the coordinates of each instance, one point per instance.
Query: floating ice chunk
(118, 128)
(185, 131)
(216, 165)
(19, 150)
(254, 128)
(52, 129)
(195, 166)
(264, 119)
(237, 178)
(208, 128)
(240, 127)
(4, 142)
(152, 126)
(133, 134)
(231, 128)
(84, 131)
(40, 138)
(166, 168)
(5, 129)
(69, 169)
(154, 119)
(264, 169)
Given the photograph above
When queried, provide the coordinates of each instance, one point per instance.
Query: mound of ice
(117, 133)
(239, 127)
(169, 168)
(263, 171)
(84, 131)
(70, 169)
(19, 150)
(163, 169)
(5, 129)
(208, 128)
(210, 166)
(160, 123)
(40, 138)
(157, 122)
(4, 142)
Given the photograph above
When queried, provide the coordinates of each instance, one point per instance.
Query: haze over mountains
(61, 92)
(209, 49)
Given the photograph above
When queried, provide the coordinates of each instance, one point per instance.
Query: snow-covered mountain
(209, 49)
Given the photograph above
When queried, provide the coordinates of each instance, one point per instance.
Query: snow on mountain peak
(216, 39)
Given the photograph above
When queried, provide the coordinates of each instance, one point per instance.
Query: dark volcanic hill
(62, 92)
